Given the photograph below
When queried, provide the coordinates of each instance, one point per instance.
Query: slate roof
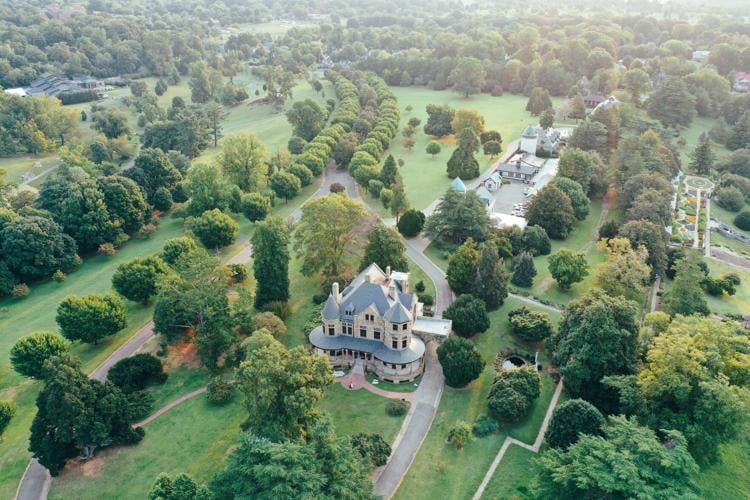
(413, 352)
(530, 132)
(331, 309)
(514, 167)
(397, 314)
(484, 194)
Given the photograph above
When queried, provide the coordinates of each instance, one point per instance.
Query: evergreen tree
(271, 261)
(524, 271)
(547, 119)
(389, 172)
(398, 203)
(702, 157)
(385, 248)
(685, 296)
(491, 283)
(539, 100)
(740, 138)
(462, 267)
(462, 162)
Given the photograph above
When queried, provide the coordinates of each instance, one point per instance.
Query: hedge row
(365, 163)
(348, 108)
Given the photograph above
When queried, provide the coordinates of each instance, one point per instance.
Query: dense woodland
(664, 391)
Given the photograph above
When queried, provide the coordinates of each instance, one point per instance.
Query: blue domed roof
(458, 185)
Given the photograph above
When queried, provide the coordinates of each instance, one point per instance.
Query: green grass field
(424, 176)
(736, 304)
(513, 476)
(691, 135)
(442, 471)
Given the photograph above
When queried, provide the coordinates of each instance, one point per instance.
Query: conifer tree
(524, 271)
(491, 283)
(389, 172)
(271, 264)
(702, 157)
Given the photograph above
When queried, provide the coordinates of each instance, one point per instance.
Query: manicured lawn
(513, 477)
(692, 134)
(442, 471)
(424, 176)
(719, 240)
(736, 304)
(727, 217)
(16, 166)
(728, 478)
(359, 411)
(37, 312)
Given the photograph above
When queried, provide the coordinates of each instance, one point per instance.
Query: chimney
(392, 291)
(387, 272)
(368, 278)
(335, 292)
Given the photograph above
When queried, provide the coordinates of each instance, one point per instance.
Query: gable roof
(458, 185)
(372, 288)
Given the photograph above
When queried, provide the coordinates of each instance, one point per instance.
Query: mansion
(378, 322)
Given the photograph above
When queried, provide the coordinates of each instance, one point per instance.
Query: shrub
(397, 408)
(420, 286)
(58, 276)
(528, 325)
(20, 290)
(386, 195)
(411, 222)
(374, 187)
(174, 248)
(296, 144)
(461, 361)
(219, 391)
(571, 419)
(742, 221)
(137, 372)
(107, 249)
(609, 229)
(460, 434)
(337, 187)
(484, 425)
(255, 206)
(373, 448)
(238, 272)
(469, 315)
(279, 308)
(7, 412)
(270, 322)
(730, 198)
(512, 392)
(426, 299)
(301, 171)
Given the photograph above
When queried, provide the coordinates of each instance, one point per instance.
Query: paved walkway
(354, 381)
(509, 441)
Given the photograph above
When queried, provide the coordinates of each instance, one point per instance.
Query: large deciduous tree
(625, 272)
(462, 267)
(468, 76)
(125, 202)
(136, 279)
(243, 160)
(571, 420)
(307, 118)
(597, 337)
(214, 229)
(271, 261)
(567, 267)
(282, 387)
(325, 231)
(386, 249)
(552, 210)
(672, 104)
(30, 352)
(153, 170)
(439, 120)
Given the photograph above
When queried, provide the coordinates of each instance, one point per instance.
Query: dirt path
(509, 441)
(164, 409)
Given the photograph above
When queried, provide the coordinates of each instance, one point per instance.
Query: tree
(385, 248)
(34, 247)
(373, 448)
(685, 296)
(411, 223)
(111, 122)
(458, 216)
(539, 100)
(461, 361)
(468, 76)
(524, 271)
(92, 317)
(174, 248)
(652, 206)
(7, 412)
(469, 316)
(325, 231)
(243, 160)
(399, 203)
(321, 466)
(637, 82)
(344, 149)
(462, 162)
(536, 241)
(528, 325)
(31, 351)
(214, 229)
(567, 267)
(153, 169)
(76, 414)
(649, 235)
(547, 120)
(125, 202)
(692, 380)
(672, 104)
(742, 220)
(281, 386)
(204, 82)
(577, 108)
(255, 206)
(136, 279)
(492, 148)
(137, 372)
(702, 158)
(491, 282)
(552, 210)
(271, 261)
(597, 337)
(215, 115)
(284, 185)
(433, 148)
(307, 118)
(460, 434)
(625, 272)
(462, 267)
(575, 193)
(571, 420)
(389, 172)
(179, 487)
(590, 135)
(467, 118)
(512, 393)
(439, 120)
(270, 323)
(629, 461)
